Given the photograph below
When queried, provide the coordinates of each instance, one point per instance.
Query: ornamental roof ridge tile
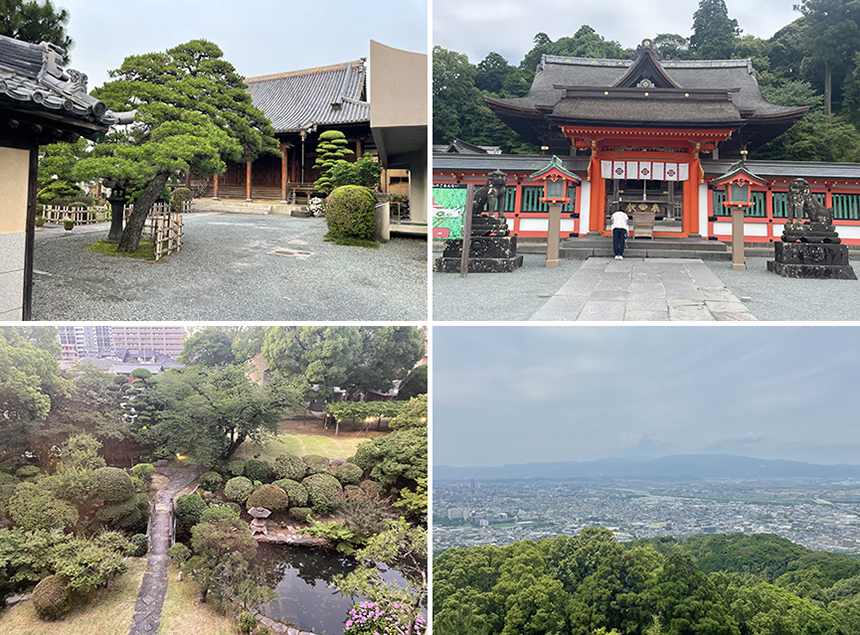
(617, 63)
(31, 76)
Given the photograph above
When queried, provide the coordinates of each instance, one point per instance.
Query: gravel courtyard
(229, 269)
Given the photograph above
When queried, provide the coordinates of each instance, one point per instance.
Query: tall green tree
(193, 113)
(36, 22)
(209, 347)
(714, 33)
(832, 36)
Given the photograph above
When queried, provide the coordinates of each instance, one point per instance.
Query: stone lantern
(738, 182)
(556, 184)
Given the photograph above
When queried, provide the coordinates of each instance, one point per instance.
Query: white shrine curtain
(645, 170)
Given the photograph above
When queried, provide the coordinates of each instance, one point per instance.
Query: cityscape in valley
(820, 514)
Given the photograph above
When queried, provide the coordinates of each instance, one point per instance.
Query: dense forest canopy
(590, 585)
(813, 61)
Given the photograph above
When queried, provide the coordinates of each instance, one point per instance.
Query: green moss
(350, 242)
(144, 250)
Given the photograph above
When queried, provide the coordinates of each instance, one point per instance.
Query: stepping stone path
(150, 598)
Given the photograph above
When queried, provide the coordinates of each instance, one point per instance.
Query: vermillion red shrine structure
(649, 134)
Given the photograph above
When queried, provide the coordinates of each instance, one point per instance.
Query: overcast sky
(477, 27)
(504, 395)
(259, 37)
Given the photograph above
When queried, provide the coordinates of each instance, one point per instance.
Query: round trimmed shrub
(179, 554)
(323, 490)
(371, 488)
(189, 508)
(139, 542)
(27, 471)
(363, 458)
(144, 471)
(257, 470)
(51, 597)
(316, 464)
(238, 489)
(296, 492)
(300, 513)
(349, 212)
(211, 481)
(236, 468)
(348, 474)
(354, 491)
(268, 496)
(113, 484)
(229, 511)
(290, 466)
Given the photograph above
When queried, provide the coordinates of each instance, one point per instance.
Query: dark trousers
(618, 236)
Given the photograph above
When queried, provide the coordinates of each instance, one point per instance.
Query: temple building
(652, 133)
(305, 103)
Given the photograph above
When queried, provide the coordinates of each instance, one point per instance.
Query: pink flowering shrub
(369, 618)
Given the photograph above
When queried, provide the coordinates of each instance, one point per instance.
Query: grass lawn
(308, 438)
(108, 611)
(184, 615)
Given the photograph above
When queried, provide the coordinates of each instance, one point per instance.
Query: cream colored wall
(14, 177)
(398, 87)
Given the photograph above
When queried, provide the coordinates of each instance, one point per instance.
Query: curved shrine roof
(327, 95)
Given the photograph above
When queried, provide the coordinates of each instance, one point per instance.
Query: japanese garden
(282, 497)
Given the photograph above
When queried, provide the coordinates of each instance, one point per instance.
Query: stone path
(635, 289)
(150, 598)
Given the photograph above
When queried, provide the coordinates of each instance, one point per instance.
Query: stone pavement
(605, 289)
(150, 598)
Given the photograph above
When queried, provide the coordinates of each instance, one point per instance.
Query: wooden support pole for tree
(215, 193)
(283, 173)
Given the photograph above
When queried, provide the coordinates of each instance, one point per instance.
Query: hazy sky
(259, 37)
(506, 395)
(476, 27)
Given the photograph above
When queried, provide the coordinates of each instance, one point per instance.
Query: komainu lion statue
(489, 193)
(800, 200)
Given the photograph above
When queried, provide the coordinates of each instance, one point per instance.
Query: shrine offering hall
(647, 135)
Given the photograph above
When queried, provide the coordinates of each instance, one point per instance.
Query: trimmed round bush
(236, 468)
(316, 464)
(371, 488)
(179, 554)
(230, 511)
(354, 491)
(363, 458)
(323, 490)
(349, 212)
(113, 484)
(211, 481)
(27, 471)
(296, 492)
(238, 489)
(268, 496)
(290, 466)
(144, 471)
(51, 597)
(300, 513)
(257, 470)
(116, 541)
(189, 508)
(140, 547)
(348, 474)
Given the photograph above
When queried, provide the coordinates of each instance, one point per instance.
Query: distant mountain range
(675, 467)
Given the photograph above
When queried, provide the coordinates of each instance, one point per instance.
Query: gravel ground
(774, 298)
(225, 271)
(499, 297)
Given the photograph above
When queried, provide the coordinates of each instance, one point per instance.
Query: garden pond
(301, 577)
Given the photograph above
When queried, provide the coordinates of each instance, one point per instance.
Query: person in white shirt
(619, 233)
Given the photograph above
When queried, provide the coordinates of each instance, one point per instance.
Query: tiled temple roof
(328, 95)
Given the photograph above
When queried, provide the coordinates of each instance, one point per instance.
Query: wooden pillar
(597, 221)
(358, 148)
(248, 181)
(215, 193)
(283, 173)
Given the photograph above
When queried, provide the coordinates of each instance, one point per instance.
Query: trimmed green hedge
(349, 212)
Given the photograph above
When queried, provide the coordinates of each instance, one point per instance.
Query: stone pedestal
(811, 260)
(487, 254)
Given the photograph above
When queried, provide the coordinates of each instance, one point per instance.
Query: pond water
(301, 577)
